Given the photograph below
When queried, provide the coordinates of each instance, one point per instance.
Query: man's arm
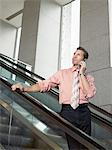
(33, 88)
(41, 86)
(88, 86)
(85, 83)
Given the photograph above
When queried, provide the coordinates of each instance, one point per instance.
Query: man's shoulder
(65, 70)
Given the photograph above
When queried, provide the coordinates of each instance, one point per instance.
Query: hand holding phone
(82, 65)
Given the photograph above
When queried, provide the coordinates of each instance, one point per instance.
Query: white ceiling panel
(11, 8)
(63, 2)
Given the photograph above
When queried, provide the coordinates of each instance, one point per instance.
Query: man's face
(78, 56)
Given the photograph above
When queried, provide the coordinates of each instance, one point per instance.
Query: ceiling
(10, 7)
(11, 10)
(63, 2)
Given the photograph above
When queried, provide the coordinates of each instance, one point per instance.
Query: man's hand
(82, 67)
(17, 86)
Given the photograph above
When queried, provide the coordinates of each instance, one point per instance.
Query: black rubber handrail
(54, 92)
(94, 116)
(19, 66)
(100, 110)
(18, 72)
(102, 120)
(63, 124)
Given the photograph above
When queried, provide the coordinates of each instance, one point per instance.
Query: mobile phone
(82, 62)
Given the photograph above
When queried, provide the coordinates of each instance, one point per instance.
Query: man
(75, 89)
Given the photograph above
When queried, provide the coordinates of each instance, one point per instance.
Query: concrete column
(39, 44)
(29, 31)
(95, 38)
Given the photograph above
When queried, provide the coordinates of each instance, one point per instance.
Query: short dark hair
(86, 55)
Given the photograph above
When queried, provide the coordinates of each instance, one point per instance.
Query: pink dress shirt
(63, 79)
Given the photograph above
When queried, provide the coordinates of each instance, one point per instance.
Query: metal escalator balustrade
(15, 135)
(47, 101)
(23, 79)
(93, 107)
(14, 139)
(20, 65)
(16, 63)
(96, 128)
(98, 125)
(56, 124)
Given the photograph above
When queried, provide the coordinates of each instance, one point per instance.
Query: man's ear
(84, 59)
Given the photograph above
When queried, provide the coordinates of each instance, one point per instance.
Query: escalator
(101, 120)
(18, 126)
(14, 134)
(31, 78)
(28, 124)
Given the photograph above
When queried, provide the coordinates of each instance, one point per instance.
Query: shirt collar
(74, 68)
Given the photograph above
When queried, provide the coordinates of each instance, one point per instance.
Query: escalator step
(21, 148)
(4, 119)
(5, 129)
(15, 140)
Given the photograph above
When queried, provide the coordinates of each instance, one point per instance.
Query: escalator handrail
(53, 91)
(13, 70)
(64, 125)
(26, 122)
(102, 120)
(10, 68)
(15, 60)
(100, 110)
(19, 66)
(16, 71)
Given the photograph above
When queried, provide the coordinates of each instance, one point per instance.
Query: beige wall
(7, 38)
(95, 38)
(29, 31)
(39, 44)
(47, 50)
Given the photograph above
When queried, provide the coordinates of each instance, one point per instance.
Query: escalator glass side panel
(10, 60)
(10, 76)
(33, 116)
(39, 118)
(20, 79)
(45, 98)
(5, 73)
(16, 135)
(102, 134)
(23, 64)
(109, 118)
(25, 69)
(97, 128)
